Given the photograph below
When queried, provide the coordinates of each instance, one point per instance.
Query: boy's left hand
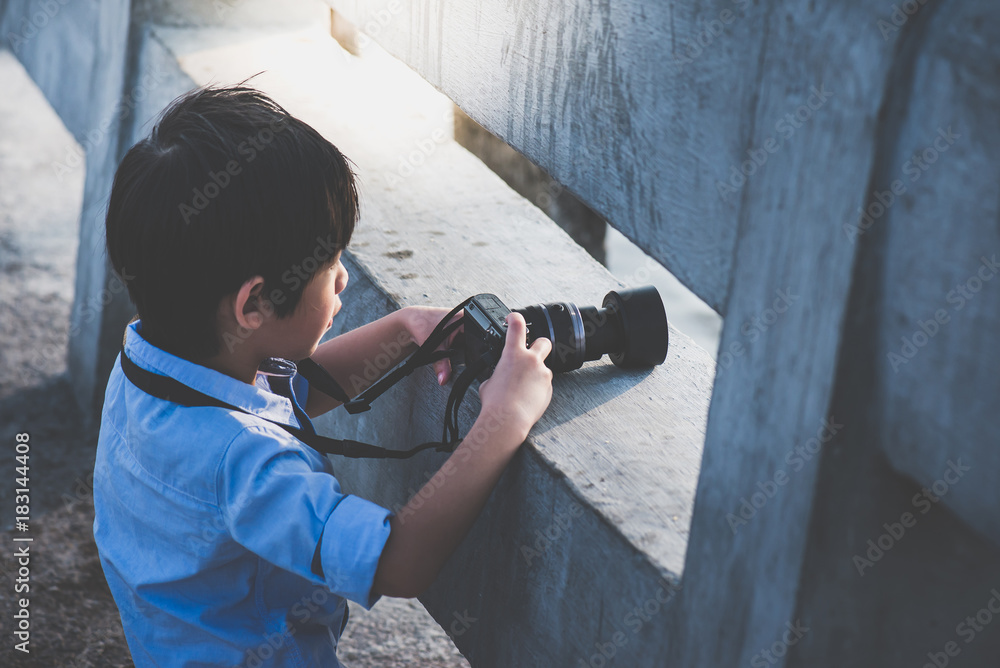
(419, 322)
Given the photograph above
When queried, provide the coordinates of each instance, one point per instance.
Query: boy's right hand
(427, 530)
(520, 388)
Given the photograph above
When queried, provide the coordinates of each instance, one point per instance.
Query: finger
(455, 318)
(542, 346)
(442, 369)
(458, 330)
(450, 340)
(517, 331)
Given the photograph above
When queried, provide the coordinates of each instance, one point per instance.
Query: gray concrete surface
(940, 373)
(76, 54)
(685, 310)
(623, 448)
(651, 111)
(38, 248)
(655, 139)
(599, 96)
(40, 203)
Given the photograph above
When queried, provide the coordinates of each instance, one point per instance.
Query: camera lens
(643, 325)
(562, 324)
(630, 327)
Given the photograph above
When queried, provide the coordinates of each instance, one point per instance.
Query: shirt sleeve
(277, 505)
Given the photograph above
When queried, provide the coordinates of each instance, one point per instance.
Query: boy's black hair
(227, 186)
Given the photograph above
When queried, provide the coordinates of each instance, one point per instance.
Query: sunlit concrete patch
(39, 214)
(684, 309)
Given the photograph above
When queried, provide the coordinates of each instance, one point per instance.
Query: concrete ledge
(592, 518)
(643, 109)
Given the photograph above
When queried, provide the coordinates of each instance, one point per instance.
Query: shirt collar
(251, 398)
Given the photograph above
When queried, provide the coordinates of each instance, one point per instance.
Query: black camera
(630, 327)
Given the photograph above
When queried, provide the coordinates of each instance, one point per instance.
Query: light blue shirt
(207, 522)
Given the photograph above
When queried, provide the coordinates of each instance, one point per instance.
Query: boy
(224, 540)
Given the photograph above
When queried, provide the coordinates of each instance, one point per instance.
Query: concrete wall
(616, 100)
(818, 440)
(446, 230)
(785, 525)
(77, 53)
(939, 381)
(611, 469)
(531, 182)
(608, 484)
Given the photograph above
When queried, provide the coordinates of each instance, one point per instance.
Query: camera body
(484, 325)
(631, 328)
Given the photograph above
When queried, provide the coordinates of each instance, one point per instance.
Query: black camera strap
(172, 390)
(427, 353)
(320, 379)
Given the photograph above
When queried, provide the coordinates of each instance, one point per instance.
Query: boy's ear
(249, 307)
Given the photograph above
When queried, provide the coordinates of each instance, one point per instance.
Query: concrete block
(611, 469)
(641, 109)
(937, 201)
(89, 40)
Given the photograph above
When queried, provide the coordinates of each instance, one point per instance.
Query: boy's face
(298, 334)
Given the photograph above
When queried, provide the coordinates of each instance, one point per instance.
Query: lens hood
(644, 325)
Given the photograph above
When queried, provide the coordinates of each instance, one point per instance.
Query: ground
(74, 621)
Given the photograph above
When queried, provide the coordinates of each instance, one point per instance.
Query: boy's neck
(241, 367)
